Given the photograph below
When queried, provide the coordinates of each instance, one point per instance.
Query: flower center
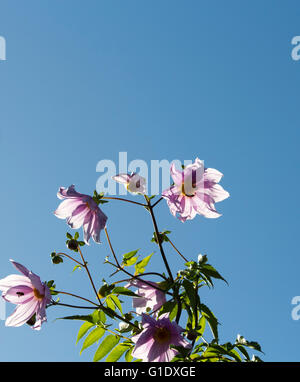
(162, 335)
(37, 294)
(186, 193)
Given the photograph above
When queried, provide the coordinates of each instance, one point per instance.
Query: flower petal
(68, 193)
(13, 280)
(19, 294)
(22, 314)
(66, 208)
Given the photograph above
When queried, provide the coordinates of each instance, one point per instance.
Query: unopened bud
(73, 245)
(123, 326)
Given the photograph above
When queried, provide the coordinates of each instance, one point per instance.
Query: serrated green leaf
(201, 323)
(110, 304)
(243, 351)
(128, 356)
(210, 271)
(117, 302)
(84, 328)
(106, 346)
(117, 352)
(211, 319)
(191, 294)
(94, 336)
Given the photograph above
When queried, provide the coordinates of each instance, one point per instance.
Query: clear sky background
(85, 80)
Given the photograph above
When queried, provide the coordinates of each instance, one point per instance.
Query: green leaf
(254, 345)
(124, 291)
(76, 267)
(191, 294)
(212, 320)
(128, 356)
(84, 328)
(117, 302)
(117, 352)
(141, 265)
(87, 318)
(167, 307)
(129, 255)
(201, 324)
(130, 258)
(98, 317)
(131, 261)
(69, 236)
(76, 236)
(106, 346)
(110, 304)
(94, 336)
(210, 271)
(243, 351)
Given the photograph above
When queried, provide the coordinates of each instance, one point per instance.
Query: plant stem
(71, 258)
(150, 209)
(89, 275)
(119, 267)
(124, 200)
(176, 292)
(159, 200)
(179, 253)
(74, 295)
(71, 306)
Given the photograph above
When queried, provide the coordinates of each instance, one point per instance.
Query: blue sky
(84, 81)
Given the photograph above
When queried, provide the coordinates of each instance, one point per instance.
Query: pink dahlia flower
(151, 298)
(29, 294)
(153, 343)
(195, 191)
(81, 210)
(134, 183)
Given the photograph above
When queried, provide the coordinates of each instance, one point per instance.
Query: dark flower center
(162, 335)
(37, 294)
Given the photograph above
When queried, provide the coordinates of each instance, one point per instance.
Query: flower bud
(73, 245)
(123, 326)
(192, 336)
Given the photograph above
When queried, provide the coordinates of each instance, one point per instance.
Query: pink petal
(87, 226)
(18, 294)
(122, 178)
(68, 193)
(66, 208)
(205, 209)
(13, 280)
(76, 220)
(22, 314)
(175, 174)
(217, 192)
(213, 175)
(20, 268)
